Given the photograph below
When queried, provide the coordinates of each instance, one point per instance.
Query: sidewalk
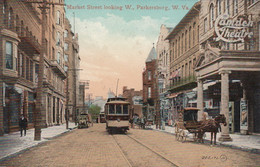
(11, 144)
(249, 143)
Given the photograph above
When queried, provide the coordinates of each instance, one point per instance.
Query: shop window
(9, 55)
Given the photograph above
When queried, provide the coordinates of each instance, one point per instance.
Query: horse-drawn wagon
(187, 123)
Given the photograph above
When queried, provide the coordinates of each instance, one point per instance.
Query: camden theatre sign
(233, 30)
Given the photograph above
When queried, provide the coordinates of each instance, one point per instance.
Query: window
(27, 68)
(65, 68)
(66, 46)
(36, 72)
(235, 7)
(58, 17)
(111, 109)
(10, 16)
(218, 7)
(9, 55)
(205, 25)
(125, 109)
(189, 37)
(149, 75)
(118, 109)
(211, 15)
(227, 7)
(58, 58)
(31, 70)
(58, 38)
(65, 33)
(149, 92)
(66, 57)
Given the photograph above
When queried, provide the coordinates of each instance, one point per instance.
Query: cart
(186, 124)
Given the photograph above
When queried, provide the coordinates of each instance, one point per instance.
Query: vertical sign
(243, 115)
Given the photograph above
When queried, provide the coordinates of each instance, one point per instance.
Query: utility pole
(37, 113)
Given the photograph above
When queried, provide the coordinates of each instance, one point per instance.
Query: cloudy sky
(115, 41)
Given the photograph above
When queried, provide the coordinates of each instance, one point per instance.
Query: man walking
(23, 124)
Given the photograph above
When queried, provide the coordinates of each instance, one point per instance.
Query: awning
(173, 95)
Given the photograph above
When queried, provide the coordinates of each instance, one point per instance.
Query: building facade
(184, 52)
(150, 91)
(229, 55)
(72, 68)
(20, 38)
(163, 71)
(135, 99)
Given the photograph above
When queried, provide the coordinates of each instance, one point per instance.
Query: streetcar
(102, 117)
(117, 114)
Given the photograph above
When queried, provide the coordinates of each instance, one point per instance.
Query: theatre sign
(233, 30)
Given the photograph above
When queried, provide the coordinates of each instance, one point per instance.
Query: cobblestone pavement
(94, 147)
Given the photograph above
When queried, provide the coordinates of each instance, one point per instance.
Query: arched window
(211, 15)
(235, 7)
(218, 7)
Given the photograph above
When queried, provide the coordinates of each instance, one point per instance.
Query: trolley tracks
(136, 153)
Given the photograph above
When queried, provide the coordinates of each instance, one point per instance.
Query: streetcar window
(125, 109)
(118, 109)
(111, 109)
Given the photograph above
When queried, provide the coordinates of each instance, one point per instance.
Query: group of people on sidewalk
(137, 122)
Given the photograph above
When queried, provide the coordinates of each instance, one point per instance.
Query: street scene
(138, 147)
(129, 83)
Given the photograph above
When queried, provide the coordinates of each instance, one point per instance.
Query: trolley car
(102, 117)
(117, 114)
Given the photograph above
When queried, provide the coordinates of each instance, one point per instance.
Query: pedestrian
(23, 125)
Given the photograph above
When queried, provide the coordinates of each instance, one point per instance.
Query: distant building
(150, 92)
(135, 99)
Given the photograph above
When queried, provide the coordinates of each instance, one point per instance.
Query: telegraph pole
(37, 113)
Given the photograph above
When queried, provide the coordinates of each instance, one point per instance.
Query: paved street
(94, 147)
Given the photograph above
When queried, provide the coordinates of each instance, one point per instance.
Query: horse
(211, 125)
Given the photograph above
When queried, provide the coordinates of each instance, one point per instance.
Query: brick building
(184, 53)
(135, 99)
(20, 39)
(150, 93)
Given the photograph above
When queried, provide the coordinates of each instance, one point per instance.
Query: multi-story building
(135, 99)
(229, 46)
(184, 52)
(72, 68)
(150, 92)
(20, 39)
(163, 70)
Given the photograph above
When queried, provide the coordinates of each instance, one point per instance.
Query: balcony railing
(183, 83)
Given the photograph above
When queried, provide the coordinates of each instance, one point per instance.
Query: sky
(116, 36)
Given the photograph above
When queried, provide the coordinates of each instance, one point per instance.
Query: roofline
(175, 29)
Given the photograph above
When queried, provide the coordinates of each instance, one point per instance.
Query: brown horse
(211, 125)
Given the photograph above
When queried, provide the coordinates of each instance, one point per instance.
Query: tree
(94, 110)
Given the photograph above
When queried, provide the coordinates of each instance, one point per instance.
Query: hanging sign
(232, 29)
